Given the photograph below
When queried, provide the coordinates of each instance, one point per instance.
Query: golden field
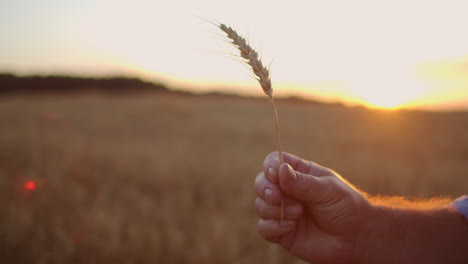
(168, 178)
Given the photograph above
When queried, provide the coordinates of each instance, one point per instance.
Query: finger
(267, 190)
(271, 165)
(305, 187)
(274, 230)
(292, 209)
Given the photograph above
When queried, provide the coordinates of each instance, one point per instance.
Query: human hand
(323, 212)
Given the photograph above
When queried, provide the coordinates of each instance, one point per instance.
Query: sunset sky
(399, 53)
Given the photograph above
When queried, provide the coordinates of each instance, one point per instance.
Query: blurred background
(130, 131)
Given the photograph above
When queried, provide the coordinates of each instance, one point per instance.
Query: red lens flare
(30, 185)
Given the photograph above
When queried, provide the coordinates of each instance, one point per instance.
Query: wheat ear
(263, 76)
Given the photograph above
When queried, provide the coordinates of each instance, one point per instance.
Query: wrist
(374, 241)
(412, 235)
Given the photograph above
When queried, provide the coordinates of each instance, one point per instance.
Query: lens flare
(30, 185)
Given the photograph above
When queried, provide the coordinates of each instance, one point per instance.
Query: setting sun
(388, 92)
(382, 102)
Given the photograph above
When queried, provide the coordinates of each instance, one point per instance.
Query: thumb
(303, 187)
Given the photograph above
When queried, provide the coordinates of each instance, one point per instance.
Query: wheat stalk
(263, 76)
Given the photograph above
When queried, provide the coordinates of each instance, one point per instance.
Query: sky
(400, 53)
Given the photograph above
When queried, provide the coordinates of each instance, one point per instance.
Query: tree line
(12, 84)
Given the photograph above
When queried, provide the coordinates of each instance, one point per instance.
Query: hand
(323, 212)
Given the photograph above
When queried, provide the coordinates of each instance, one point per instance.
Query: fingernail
(292, 173)
(268, 193)
(271, 173)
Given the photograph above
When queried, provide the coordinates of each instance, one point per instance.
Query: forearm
(413, 235)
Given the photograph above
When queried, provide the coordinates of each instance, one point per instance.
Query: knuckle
(326, 182)
(259, 184)
(262, 210)
(271, 160)
(271, 155)
(259, 177)
(258, 206)
(265, 230)
(261, 227)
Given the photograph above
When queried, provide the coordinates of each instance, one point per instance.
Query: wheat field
(168, 178)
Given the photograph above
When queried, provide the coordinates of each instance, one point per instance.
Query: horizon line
(178, 85)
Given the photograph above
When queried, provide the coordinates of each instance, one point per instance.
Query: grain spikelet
(251, 58)
(263, 76)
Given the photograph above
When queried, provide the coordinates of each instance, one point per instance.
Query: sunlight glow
(382, 54)
(388, 92)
